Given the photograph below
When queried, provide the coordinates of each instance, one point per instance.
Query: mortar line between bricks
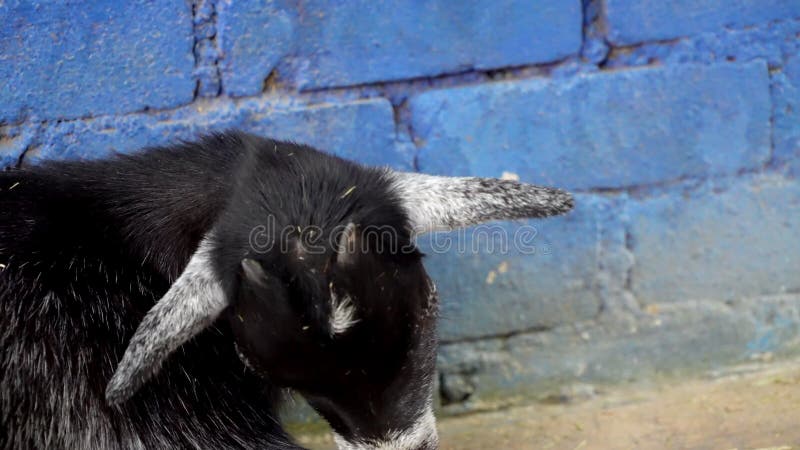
(668, 44)
(584, 21)
(504, 336)
(465, 78)
(616, 50)
(593, 30)
(627, 284)
(771, 161)
(689, 183)
(597, 281)
(204, 30)
(194, 49)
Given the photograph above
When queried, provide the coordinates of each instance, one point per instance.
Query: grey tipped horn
(436, 203)
(190, 305)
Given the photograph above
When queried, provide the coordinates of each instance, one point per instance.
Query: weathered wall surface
(677, 123)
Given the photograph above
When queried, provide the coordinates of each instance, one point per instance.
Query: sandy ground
(751, 408)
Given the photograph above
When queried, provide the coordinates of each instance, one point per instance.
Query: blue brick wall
(677, 123)
(63, 60)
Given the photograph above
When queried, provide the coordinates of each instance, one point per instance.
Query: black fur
(88, 247)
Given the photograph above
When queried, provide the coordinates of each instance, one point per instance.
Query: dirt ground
(749, 408)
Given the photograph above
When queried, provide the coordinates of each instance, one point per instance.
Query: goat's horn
(190, 305)
(435, 203)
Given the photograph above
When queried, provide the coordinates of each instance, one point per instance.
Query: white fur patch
(435, 203)
(190, 305)
(343, 313)
(421, 434)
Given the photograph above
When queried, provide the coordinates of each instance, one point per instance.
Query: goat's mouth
(420, 435)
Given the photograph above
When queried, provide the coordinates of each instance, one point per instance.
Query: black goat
(232, 268)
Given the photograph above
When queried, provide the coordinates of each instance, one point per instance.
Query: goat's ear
(435, 203)
(190, 305)
(348, 246)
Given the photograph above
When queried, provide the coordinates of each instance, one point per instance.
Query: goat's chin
(421, 435)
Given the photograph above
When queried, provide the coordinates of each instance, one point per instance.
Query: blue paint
(604, 130)
(787, 113)
(254, 37)
(328, 127)
(724, 241)
(776, 43)
(77, 59)
(774, 325)
(507, 277)
(773, 43)
(632, 21)
(328, 43)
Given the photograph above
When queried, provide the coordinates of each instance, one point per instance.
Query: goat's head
(331, 298)
(352, 329)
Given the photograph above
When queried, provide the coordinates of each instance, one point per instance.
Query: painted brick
(65, 60)
(673, 340)
(254, 36)
(786, 98)
(606, 130)
(362, 130)
(541, 279)
(719, 242)
(632, 21)
(337, 44)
